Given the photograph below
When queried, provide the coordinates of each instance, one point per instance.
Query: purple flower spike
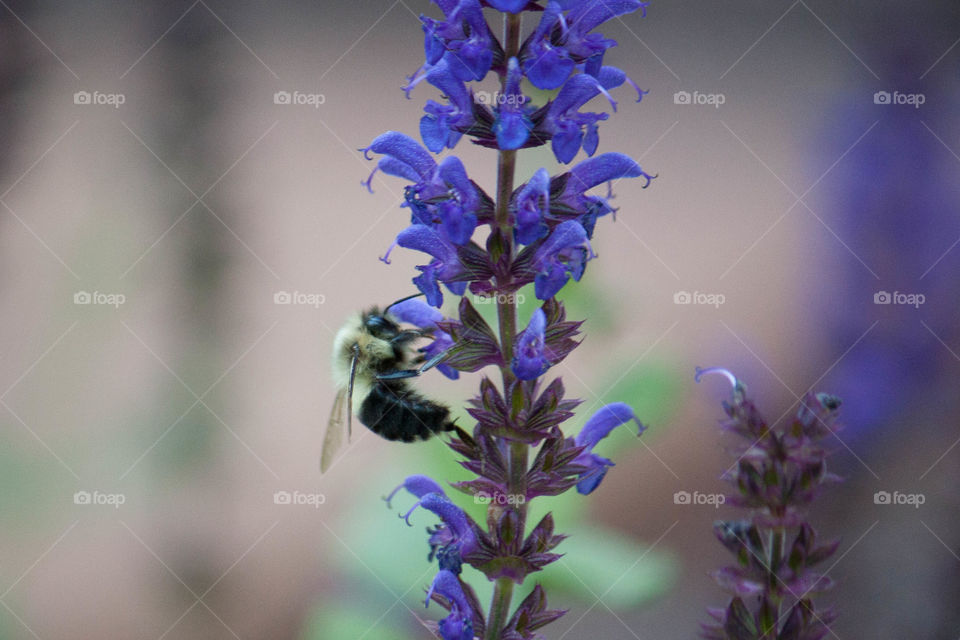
(530, 205)
(417, 485)
(459, 624)
(529, 359)
(562, 255)
(596, 429)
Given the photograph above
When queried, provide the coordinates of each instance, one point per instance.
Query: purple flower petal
(530, 205)
(416, 312)
(605, 420)
(405, 149)
(529, 360)
(459, 624)
(417, 485)
(596, 429)
(561, 256)
(603, 168)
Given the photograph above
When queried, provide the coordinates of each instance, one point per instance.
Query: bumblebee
(373, 361)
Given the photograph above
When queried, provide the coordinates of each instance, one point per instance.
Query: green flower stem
(507, 317)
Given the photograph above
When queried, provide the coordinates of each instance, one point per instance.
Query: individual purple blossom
(512, 124)
(563, 255)
(588, 174)
(463, 40)
(459, 538)
(417, 485)
(443, 125)
(546, 63)
(530, 206)
(417, 312)
(442, 196)
(445, 266)
(459, 624)
(559, 43)
(583, 18)
(529, 360)
(570, 130)
(598, 427)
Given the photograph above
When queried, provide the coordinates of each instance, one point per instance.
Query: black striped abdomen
(396, 412)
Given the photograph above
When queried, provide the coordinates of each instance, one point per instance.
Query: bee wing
(342, 412)
(333, 439)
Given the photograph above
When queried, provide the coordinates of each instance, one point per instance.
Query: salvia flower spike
(538, 234)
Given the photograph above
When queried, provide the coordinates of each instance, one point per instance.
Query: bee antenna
(396, 302)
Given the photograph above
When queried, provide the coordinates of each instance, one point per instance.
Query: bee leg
(399, 374)
(407, 336)
(432, 362)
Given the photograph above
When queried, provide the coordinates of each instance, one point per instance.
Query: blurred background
(158, 206)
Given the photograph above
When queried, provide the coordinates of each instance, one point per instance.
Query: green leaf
(349, 621)
(598, 562)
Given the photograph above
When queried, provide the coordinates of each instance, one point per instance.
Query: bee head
(379, 325)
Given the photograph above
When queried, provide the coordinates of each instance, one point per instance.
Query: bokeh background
(181, 199)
